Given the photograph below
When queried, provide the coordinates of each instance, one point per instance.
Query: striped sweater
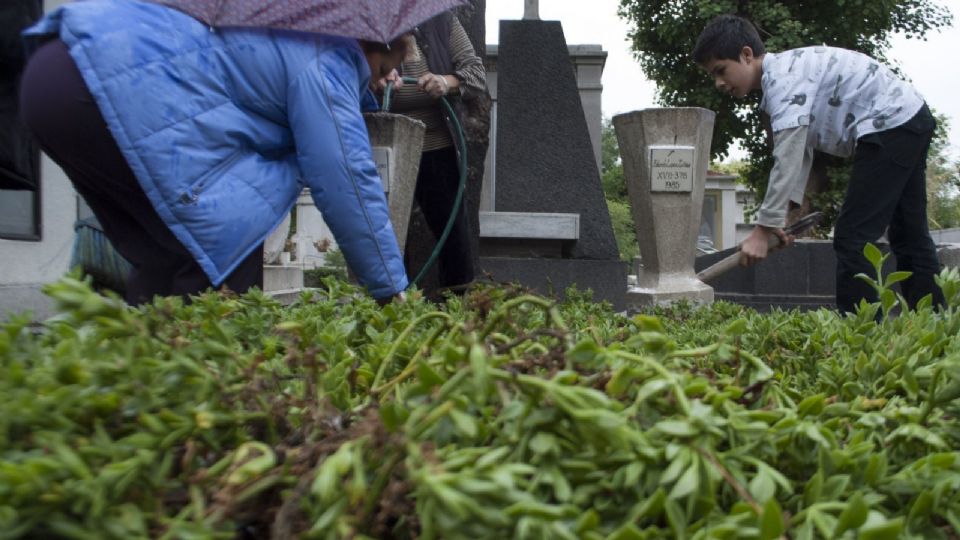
(410, 101)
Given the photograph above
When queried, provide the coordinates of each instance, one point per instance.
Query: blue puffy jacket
(224, 128)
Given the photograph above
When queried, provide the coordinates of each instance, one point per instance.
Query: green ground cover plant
(498, 415)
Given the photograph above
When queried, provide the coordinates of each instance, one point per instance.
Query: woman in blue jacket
(191, 144)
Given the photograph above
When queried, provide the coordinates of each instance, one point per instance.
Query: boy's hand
(756, 247)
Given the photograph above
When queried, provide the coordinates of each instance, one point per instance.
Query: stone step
(530, 225)
(286, 296)
(280, 278)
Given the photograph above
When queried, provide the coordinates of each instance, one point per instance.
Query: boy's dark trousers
(888, 189)
(437, 182)
(62, 114)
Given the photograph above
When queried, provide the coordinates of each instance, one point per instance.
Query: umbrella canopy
(372, 20)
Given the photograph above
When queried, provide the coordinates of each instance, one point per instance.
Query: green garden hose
(463, 176)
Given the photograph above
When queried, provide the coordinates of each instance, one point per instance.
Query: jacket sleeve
(792, 159)
(336, 163)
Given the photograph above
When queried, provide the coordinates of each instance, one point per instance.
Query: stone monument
(665, 156)
(547, 177)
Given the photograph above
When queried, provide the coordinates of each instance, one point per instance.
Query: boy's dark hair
(724, 37)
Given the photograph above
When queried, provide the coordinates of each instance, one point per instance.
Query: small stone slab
(530, 225)
(282, 278)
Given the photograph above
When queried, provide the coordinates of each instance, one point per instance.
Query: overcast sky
(625, 88)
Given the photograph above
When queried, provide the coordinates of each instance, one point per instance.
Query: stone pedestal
(397, 143)
(665, 156)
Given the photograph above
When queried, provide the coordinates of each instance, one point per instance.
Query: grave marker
(665, 156)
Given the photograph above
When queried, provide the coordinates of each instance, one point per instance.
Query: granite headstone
(545, 160)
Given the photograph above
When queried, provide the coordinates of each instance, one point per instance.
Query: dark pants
(888, 189)
(436, 192)
(58, 108)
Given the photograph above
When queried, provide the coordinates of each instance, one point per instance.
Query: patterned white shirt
(823, 98)
(840, 94)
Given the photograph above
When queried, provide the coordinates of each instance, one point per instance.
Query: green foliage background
(664, 32)
(615, 191)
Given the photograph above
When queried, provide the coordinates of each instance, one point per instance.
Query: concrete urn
(397, 143)
(665, 154)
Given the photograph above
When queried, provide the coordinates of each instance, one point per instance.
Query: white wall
(26, 265)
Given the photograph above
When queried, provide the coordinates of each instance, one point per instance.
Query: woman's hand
(434, 85)
(393, 77)
(399, 297)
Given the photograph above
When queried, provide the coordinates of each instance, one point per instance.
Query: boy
(846, 104)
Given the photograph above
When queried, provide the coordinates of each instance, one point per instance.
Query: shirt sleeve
(792, 159)
(336, 163)
(467, 66)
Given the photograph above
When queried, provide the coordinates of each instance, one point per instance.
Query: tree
(615, 191)
(943, 182)
(664, 32)
(611, 167)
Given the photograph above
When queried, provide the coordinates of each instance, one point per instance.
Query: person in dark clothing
(18, 153)
(445, 65)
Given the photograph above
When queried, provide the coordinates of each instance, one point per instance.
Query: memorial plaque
(381, 157)
(671, 168)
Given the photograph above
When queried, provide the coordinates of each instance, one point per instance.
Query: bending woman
(191, 145)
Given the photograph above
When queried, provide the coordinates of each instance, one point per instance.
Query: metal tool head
(803, 224)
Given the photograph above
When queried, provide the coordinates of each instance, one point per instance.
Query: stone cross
(531, 10)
